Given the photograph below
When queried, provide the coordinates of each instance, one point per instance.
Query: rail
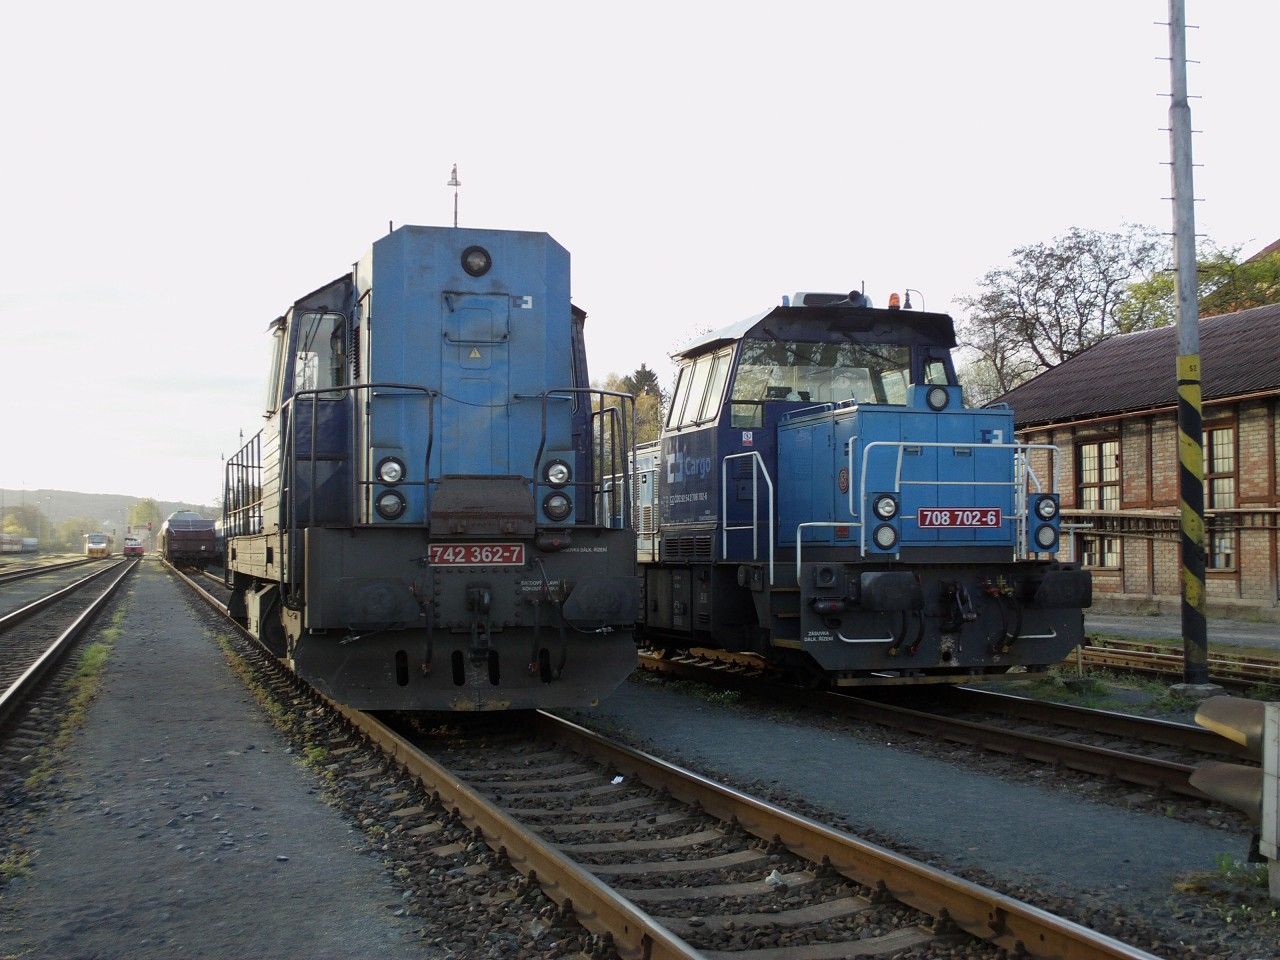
(20, 690)
(614, 446)
(634, 933)
(757, 468)
(1022, 472)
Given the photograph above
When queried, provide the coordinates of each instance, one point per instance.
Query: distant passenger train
(133, 547)
(13, 543)
(424, 522)
(822, 497)
(97, 545)
(187, 537)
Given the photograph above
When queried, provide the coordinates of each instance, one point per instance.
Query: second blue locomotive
(822, 497)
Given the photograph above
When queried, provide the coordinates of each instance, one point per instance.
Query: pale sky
(173, 176)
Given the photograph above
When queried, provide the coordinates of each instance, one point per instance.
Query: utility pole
(1190, 427)
(455, 183)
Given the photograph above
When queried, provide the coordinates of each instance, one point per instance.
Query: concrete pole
(1190, 427)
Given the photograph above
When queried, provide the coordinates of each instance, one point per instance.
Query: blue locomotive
(426, 520)
(822, 497)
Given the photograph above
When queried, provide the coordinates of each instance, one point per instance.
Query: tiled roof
(1239, 354)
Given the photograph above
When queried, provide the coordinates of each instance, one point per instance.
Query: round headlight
(1046, 537)
(886, 507)
(1046, 508)
(557, 473)
(476, 261)
(885, 536)
(390, 505)
(390, 470)
(937, 398)
(556, 506)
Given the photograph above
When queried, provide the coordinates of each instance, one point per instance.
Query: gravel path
(179, 826)
(1023, 834)
(1227, 633)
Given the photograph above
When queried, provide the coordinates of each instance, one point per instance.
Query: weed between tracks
(1237, 892)
(81, 689)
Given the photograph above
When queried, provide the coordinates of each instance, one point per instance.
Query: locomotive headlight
(937, 398)
(1046, 537)
(885, 506)
(557, 473)
(390, 505)
(390, 470)
(556, 506)
(885, 536)
(1046, 508)
(476, 261)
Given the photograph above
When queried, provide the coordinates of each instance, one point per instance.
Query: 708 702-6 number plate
(958, 517)
(476, 554)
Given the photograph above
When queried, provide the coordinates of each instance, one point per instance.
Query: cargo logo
(681, 467)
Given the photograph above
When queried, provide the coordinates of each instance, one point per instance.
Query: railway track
(23, 573)
(1230, 670)
(27, 655)
(659, 862)
(1097, 742)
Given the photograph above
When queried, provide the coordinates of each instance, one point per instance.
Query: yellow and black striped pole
(1190, 429)
(1191, 496)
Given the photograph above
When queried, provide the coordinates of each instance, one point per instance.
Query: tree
(24, 521)
(144, 512)
(1224, 284)
(643, 381)
(1056, 299)
(69, 534)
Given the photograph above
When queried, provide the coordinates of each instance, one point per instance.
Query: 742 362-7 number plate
(476, 554)
(934, 517)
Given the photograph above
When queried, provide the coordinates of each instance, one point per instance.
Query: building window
(1100, 475)
(1097, 550)
(1220, 494)
(1220, 468)
(1220, 550)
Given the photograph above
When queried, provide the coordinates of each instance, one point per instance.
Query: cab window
(273, 375)
(698, 378)
(678, 397)
(320, 361)
(715, 386)
(822, 372)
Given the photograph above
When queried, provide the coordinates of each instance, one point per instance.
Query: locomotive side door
(475, 376)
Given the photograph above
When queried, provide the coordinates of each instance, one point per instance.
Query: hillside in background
(110, 510)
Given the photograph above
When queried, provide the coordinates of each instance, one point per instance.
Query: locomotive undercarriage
(378, 628)
(854, 623)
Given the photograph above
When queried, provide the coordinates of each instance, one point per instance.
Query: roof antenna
(455, 183)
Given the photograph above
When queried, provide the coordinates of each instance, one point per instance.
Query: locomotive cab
(821, 496)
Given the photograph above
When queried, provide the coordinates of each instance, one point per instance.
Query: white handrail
(757, 461)
(800, 538)
(1020, 512)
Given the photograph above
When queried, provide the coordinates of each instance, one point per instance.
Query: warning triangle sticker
(474, 354)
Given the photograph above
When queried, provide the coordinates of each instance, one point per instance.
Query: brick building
(1111, 412)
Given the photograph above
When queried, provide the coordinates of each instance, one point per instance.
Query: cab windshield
(822, 372)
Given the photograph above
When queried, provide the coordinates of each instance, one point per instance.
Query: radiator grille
(692, 546)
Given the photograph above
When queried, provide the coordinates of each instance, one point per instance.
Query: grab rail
(756, 462)
(1022, 471)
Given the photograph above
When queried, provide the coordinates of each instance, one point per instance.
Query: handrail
(1020, 463)
(619, 425)
(815, 523)
(757, 461)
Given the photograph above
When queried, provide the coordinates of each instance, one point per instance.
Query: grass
(313, 755)
(17, 863)
(1238, 891)
(82, 687)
